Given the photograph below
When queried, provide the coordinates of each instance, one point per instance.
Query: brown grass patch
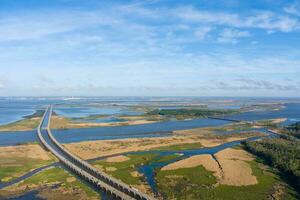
(136, 174)
(22, 125)
(59, 122)
(98, 148)
(234, 167)
(110, 169)
(205, 160)
(116, 159)
(236, 170)
(30, 151)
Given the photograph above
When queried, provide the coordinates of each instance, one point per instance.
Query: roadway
(113, 187)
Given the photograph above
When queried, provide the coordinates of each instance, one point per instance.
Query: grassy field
(55, 183)
(29, 122)
(124, 170)
(22, 125)
(190, 113)
(281, 153)
(234, 127)
(61, 123)
(198, 183)
(179, 147)
(59, 175)
(167, 158)
(14, 167)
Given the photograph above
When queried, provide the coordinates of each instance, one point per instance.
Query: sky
(150, 48)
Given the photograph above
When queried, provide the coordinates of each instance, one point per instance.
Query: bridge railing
(101, 175)
(100, 184)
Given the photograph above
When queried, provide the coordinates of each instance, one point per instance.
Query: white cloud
(37, 25)
(263, 20)
(140, 42)
(252, 84)
(293, 9)
(133, 19)
(202, 32)
(232, 36)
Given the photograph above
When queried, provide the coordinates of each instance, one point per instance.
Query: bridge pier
(110, 185)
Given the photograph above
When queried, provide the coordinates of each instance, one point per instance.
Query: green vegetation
(198, 183)
(57, 175)
(14, 167)
(185, 183)
(126, 170)
(293, 130)
(29, 122)
(179, 147)
(21, 125)
(38, 113)
(234, 127)
(123, 170)
(62, 123)
(245, 134)
(182, 113)
(267, 123)
(262, 107)
(91, 117)
(167, 158)
(281, 153)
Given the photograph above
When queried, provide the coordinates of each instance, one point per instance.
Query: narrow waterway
(159, 129)
(149, 170)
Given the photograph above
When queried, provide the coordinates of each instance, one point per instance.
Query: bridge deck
(114, 187)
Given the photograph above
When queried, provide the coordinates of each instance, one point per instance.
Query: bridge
(231, 120)
(113, 187)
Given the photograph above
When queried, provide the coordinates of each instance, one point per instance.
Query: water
(149, 170)
(159, 129)
(83, 113)
(101, 120)
(14, 109)
(32, 195)
(25, 176)
(240, 131)
(17, 137)
(79, 112)
(291, 112)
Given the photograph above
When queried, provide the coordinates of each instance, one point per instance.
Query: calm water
(144, 130)
(32, 195)
(148, 170)
(85, 111)
(291, 111)
(14, 110)
(17, 137)
(101, 120)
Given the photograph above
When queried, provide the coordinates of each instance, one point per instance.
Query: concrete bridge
(231, 120)
(115, 188)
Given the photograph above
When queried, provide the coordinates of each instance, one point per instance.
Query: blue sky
(146, 48)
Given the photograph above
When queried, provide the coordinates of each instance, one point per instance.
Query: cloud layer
(150, 47)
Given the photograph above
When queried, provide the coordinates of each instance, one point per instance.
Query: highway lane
(77, 170)
(115, 188)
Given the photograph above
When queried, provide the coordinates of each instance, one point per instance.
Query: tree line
(282, 153)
